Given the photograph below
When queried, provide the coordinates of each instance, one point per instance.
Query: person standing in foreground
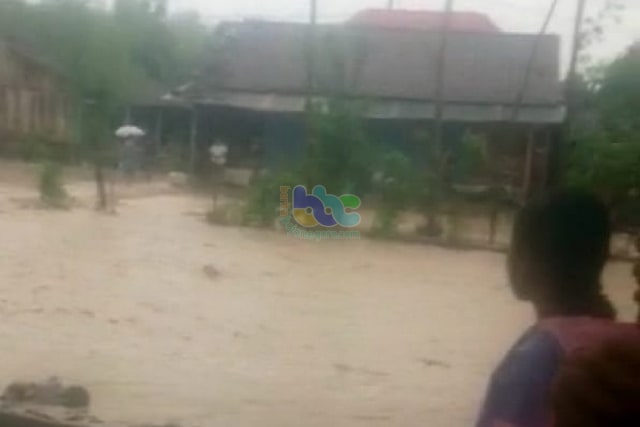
(636, 275)
(599, 387)
(559, 248)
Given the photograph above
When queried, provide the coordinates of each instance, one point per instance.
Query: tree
(396, 183)
(593, 31)
(618, 98)
(107, 56)
(339, 155)
(606, 155)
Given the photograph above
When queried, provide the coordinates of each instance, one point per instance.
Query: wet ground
(165, 317)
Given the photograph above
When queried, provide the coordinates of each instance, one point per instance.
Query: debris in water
(211, 271)
(433, 363)
(49, 393)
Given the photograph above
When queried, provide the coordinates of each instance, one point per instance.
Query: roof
(390, 109)
(425, 20)
(30, 54)
(381, 63)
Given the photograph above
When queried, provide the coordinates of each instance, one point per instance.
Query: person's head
(560, 245)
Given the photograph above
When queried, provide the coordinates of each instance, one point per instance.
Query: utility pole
(519, 100)
(440, 152)
(311, 46)
(390, 4)
(575, 52)
(440, 69)
(522, 91)
(563, 143)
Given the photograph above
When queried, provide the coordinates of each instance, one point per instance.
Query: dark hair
(566, 235)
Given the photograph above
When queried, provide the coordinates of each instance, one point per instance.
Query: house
(33, 100)
(262, 73)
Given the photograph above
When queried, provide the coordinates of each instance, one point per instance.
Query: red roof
(425, 20)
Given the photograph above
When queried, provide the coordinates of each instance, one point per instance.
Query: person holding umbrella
(130, 150)
(218, 156)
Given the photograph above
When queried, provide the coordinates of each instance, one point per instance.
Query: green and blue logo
(319, 208)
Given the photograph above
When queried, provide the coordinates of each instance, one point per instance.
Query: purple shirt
(519, 389)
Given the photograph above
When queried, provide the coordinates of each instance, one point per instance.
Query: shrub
(396, 185)
(263, 203)
(339, 156)
(172, 158)
(52, 191)
(37, 148)
(610, 168)
(227, 214)
(34, 148)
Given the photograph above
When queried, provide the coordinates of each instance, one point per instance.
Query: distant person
(559, 248)
(257, 158)
(129, 156)
(147, 155)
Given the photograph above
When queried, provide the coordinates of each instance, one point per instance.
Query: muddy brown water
(285, 333)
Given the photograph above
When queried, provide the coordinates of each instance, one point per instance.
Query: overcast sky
(510, 15)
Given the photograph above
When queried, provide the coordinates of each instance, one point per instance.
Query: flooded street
(164, 317)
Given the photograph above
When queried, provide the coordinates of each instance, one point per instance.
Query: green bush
(52, 191)
(263, 203)
(339, 156)
(172, 158)
(37, 148)
(610, 168)
(385, 223)
(396, 186)
(227, 214)
(34, 148)
(472, 160)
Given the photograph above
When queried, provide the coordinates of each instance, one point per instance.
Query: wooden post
(547, 167)
(528, 164)
(158, 129)
(193, 140)
(103, 200)
(390, 4)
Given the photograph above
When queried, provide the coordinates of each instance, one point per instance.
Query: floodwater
(166, 318)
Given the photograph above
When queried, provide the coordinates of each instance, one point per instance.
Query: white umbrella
(218, 153)
(218, 150)
(129, 131)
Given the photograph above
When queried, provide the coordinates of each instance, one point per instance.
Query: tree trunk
(103, 202)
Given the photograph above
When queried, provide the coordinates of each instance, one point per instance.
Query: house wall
(31, 100)
(282, 138)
